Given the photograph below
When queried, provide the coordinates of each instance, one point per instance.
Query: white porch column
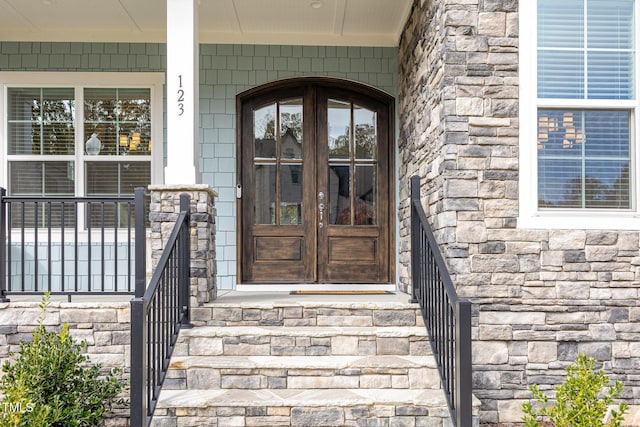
(182, 93)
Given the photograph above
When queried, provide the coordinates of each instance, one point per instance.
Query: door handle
(321, 211)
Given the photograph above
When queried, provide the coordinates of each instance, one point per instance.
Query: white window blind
(585, 49)
(586, 58)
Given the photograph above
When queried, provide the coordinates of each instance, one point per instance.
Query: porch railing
(446, 316)
(68, 245)
(157, 314)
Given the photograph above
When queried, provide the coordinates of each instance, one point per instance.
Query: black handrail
(446, 316)
(44, 242)
(157, 314)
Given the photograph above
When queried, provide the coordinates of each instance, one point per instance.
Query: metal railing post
(141, 244)
(464, 386)
(138, 397)
(415, 239)
(4, 247)
(185, 261)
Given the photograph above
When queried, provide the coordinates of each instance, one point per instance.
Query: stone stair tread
(302, 362)
(299, 397)
(306, 331)
(391, 305)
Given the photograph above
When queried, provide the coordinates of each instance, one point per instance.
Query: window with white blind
(578, 145)
(78, 134)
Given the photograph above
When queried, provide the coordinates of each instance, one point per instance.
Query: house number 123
(180, 96)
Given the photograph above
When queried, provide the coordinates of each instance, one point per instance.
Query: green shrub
(50, 382)
(582, 400)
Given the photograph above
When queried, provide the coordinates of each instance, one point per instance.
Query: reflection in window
(278, 139)
(353, 147)
(121, 119)
(339, 129)
(41, 121)
(583, 159)
(290, 194)
(339, 195)
(365, 195)
(265, 196)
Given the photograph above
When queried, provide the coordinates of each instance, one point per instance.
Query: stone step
(302, 408)
(302, 341)
(307, 313)
(302, 372)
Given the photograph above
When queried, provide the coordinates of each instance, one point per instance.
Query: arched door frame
(300, 86)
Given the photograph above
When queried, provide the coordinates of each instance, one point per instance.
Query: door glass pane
(291, 129)
(339, 128)
(290, 194)
(365, 195)
(339, 195)
(265, 194)
(264, 126)
(364, 122)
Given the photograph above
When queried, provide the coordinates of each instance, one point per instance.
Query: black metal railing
(157, 314)
(68, 245)
(446, 316)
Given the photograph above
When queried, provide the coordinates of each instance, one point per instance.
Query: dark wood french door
(315, 166)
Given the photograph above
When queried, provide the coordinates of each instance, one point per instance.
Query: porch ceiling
(334, 22)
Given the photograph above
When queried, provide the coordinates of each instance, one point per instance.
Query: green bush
(582, 400)
(50, 382)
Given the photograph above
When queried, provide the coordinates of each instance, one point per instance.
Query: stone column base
(163, 213)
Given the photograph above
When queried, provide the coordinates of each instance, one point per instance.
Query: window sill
(573, 220)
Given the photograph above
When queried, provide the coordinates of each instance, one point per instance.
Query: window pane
(561, 23)
(365, 192)
(610, 24)
(583, 159)
(290, 194)
(41, 178)
(607, 185)
(291, 129)
(339, 195)
(560, 133)
(116, 178)
(41, 121)
(264, 208)
(559, 183)
(264, 132)
(606, 66)
(339, 129)
(561, 74)
(121, 119)
(365, 122)
(611, 75)
(607, 134)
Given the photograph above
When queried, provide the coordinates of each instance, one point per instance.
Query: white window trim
(529, 214)
(79, 81)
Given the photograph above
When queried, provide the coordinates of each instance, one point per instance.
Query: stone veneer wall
(540, 296)
(163, 213)
(104, 326)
